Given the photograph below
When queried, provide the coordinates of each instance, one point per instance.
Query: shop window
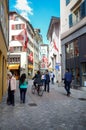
(67, 51)
(76, 48)
(77, 75)
(71, 50)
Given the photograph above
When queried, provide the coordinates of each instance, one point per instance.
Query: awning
(30, 66)
(13, 67)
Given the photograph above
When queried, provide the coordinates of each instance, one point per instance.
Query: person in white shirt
(11, 89)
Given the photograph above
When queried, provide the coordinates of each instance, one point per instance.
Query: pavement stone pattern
(53, 111)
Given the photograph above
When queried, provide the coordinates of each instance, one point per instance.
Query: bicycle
(38, 88)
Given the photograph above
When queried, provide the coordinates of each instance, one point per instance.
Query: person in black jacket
(37, 79)
(47, 81)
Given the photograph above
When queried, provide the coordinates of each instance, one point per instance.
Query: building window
(17, 49)
(16, 18)
(67, 2)
(14, 59)
(70, 20)
(83, 9)
(13, 38)
(76, 18)
(18, 26)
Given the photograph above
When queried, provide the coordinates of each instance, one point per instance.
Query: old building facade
(73, 36)
(53, 36)
(3, 46)
(21, 45)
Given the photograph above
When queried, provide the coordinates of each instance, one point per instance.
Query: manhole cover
(82, 99)
(32, 104)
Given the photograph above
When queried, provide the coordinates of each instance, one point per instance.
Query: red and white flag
(30, 57)
(22, 37)
(25, 39)
(54, 45)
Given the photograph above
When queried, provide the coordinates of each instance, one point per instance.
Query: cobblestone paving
(53, 111)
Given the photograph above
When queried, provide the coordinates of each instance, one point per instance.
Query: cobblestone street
(52, 111)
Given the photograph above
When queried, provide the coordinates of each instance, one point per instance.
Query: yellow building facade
(3, 46)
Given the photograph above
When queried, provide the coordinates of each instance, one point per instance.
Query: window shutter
(13, 27)
(83, 9)
(67, 2)
(70, 20)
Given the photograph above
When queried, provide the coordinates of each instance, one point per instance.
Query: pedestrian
(37, 80)
(52, 77)
(67, 81)
(11, 89)
(47, 81)
(23, 84)
(43, 79)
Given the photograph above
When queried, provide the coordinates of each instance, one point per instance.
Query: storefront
(16, 69)
(30, 70)
(76, 60)
(82, 40)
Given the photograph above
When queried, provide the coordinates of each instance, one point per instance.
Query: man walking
(47, 81)
(67, 81)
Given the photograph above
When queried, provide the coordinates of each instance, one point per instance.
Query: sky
(38, 12)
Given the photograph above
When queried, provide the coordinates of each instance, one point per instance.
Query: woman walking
(11, 89)
(23, 84)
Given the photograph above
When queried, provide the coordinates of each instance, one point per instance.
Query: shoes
(21, 102)
(8, 103)
(13, 104)
(68, 94)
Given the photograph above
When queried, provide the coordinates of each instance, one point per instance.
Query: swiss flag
(54, 45)
(25, 39)
(44, 59)
(30, 57)
(22, 36)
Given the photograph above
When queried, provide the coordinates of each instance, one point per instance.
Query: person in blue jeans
(23, 84)
(67, 81)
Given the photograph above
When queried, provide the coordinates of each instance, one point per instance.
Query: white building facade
(44, 57)
(53, 36)
(73, 39)
(37, 42)
(20, 55)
